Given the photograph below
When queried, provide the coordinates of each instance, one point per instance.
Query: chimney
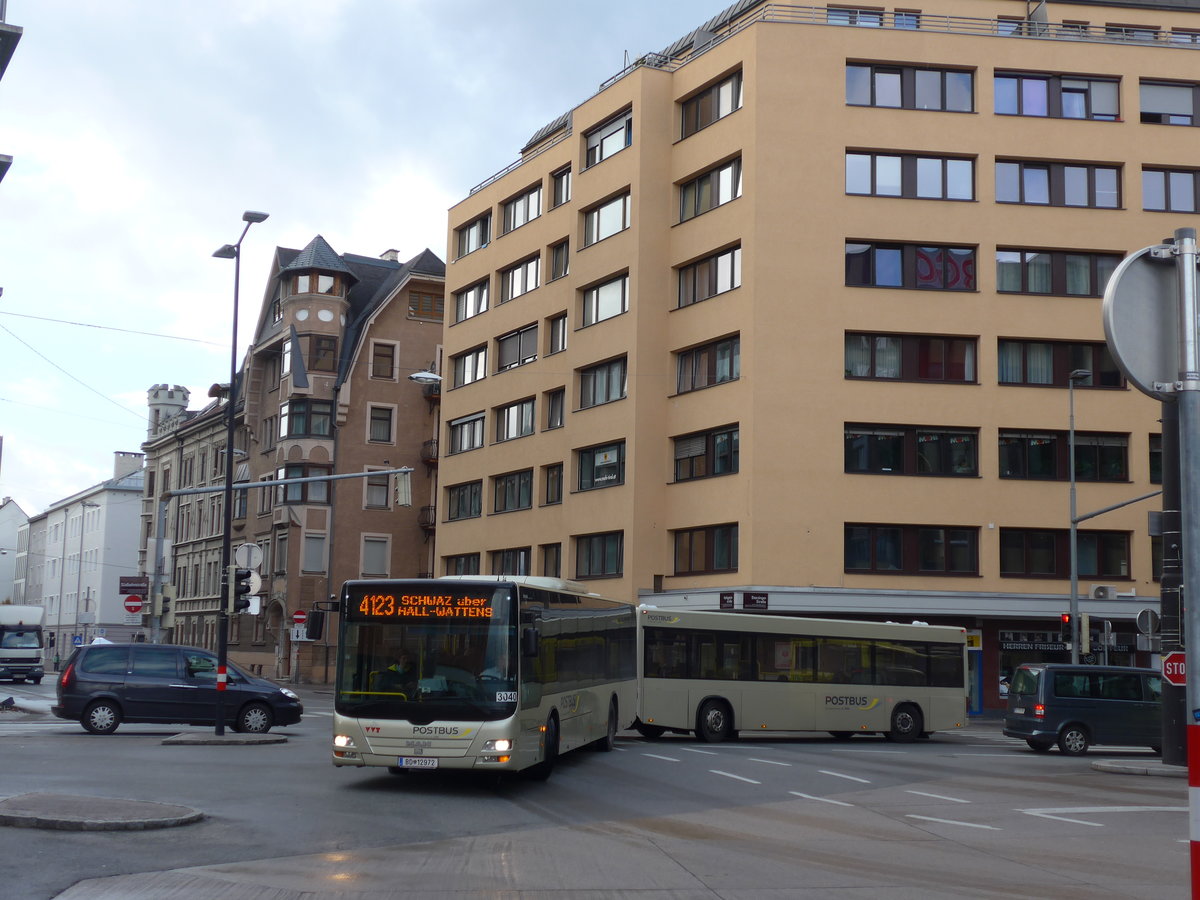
(126, 462)
(390, 255)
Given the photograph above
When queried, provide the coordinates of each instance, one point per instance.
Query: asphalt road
(965, 815)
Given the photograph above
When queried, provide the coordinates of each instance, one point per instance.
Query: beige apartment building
(784, 318)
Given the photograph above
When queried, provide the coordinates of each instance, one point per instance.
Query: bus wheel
(550, 751)
(714, 722)
(906, 724)
(606, 743)
(650, 732)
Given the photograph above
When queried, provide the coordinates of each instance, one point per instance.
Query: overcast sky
(140, 130)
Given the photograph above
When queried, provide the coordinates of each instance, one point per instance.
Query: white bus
(718, 673)
(481, 673)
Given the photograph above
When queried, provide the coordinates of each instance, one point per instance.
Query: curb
(1155, 767)
(224, 740)
(70, 812)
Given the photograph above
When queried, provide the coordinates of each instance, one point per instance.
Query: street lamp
(84, 506)
(234, 252)
(1076, 376)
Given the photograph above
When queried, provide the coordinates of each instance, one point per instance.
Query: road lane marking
(1053, 813)
(847, 777)
(953, 822)
(821, 799)
(937, 796)
(705, 752)
(849, 750)
(656, 756)
(769, 762)
(731, 775)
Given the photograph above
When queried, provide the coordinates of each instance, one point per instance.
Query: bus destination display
(423, 606)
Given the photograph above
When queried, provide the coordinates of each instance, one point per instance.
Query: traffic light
(167, 609)
(241, 584)
(1064, 628)
(1085, 634)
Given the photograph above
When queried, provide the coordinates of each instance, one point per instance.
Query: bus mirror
(529, 642)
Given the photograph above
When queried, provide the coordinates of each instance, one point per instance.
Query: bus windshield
(426, 655)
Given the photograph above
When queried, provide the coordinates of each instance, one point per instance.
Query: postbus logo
(847, 701)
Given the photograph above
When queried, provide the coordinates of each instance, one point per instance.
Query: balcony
(427, 519)
(429, 452)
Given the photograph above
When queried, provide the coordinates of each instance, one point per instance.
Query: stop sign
(299, 617)
(1174, 668)
(133, 604)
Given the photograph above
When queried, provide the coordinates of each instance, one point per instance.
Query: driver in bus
(400, 676)
(497, 670)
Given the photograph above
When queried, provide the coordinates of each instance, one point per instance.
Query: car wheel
(254, 719)
(1039, 746)
(1073, 740)
(549, 752)
(714, 722)
(650, 732)
(606, 743)
(101, 717)
(906, 724)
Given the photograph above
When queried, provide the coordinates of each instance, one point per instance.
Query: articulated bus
(718, 673)
(480, 673)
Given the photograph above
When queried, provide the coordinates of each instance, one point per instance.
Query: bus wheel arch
(714, 720)
(907, 723)
(608, 741)
(542, 770)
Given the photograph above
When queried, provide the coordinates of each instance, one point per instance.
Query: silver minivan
(1077, 706)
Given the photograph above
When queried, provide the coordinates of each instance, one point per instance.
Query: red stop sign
(1174, 668)
(299, 617)
(133, 604)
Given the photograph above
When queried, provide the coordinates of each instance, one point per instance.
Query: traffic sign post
(133, 604)
(1174, 668)
(299, 617)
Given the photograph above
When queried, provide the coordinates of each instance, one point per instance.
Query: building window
(513, 561)
(713, 103)
(613, 136)
(474, 234)
(1056, 96)
(560, 259)
(606, 220)
(1045, 455)
(464, 501)
(602, 383)
(522, 209)
(606, 300)
(710, 276)
(471, 302)
(911, 357)
(700, 551)
(1058, 184)
(305, 491)
(710, 364)
(306, 418)
(911, 266)
(1169, 190)
(599, 555)
(1057, 272)
(324, 354)
(470, 366)
(907, 87)
(377, 491)
(1046, 553)
(551, 560)
(463, 564)
(710, 190)
(466, 433)
(907, 19)
(555, 404)
(910, 175)
(603, 466)
(516, 348)
(911, 450)
(552, 484)
(706, 453)
(1168, 104)
(1131, 32)
(513, 491)
(383, 360)
(556, 334)
(265, 497)
(380, 426)
(867, 18)
(520, 279)
(376, 556)
(316, 283)
(1050, 362)
(1156, 459)
(561, 181)
(514, 420)
(911, 549)
(426, 306)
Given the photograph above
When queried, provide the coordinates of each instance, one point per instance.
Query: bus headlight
(501, 744)
(343, 740)
(344, 747)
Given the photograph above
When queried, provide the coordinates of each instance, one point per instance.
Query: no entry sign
(133, 604)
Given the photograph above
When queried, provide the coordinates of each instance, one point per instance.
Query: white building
(12, 517)
(71, 558)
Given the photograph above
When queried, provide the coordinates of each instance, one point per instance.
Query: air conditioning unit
(1104, 592)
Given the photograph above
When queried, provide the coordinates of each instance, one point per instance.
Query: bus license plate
(417, 762)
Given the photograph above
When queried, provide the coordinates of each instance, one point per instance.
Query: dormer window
(317, 283)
